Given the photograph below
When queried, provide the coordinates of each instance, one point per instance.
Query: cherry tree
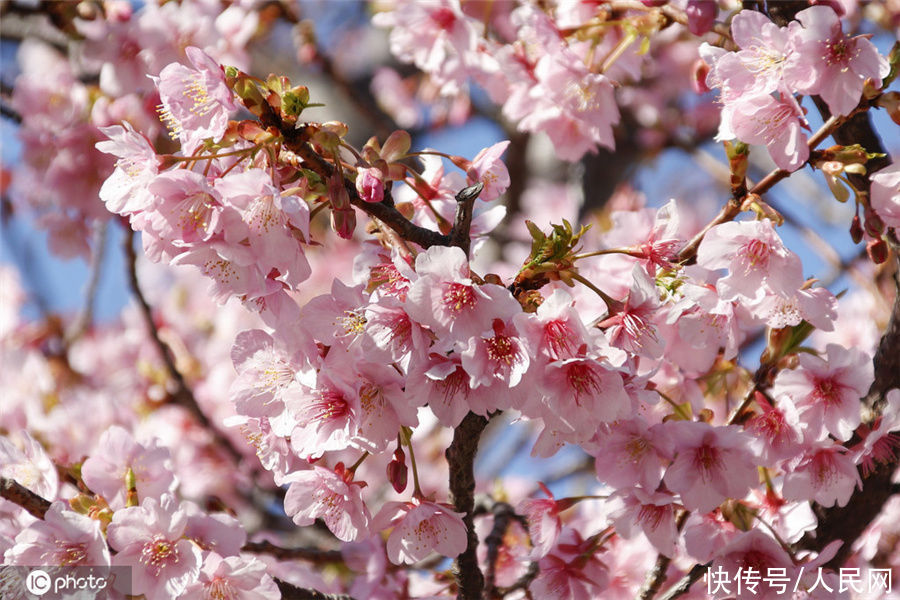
(581, 357)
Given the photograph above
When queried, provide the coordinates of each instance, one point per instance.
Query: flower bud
(877, 251)
(701, 15)
(874, 225)
(396, 146)
(856, 230)
(343, 222)
(699, 72)
(370, 185)
(397, 472)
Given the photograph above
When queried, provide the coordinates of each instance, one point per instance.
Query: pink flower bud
(397, 471)
(856, 230)
(699, 72)
(370, 185)
(701, 15)
(877, 251)
(343, 221)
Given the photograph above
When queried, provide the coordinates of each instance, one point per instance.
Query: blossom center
(458, 297)
(583, 380)
(501, 348)
(443, 17)
(706, 458)
(158, 554)
(757, 254)
(331, 405)
(220, 589)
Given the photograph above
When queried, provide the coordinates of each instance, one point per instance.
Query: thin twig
(313, 555)
(733, 207)
(183, 396)
(98, 250)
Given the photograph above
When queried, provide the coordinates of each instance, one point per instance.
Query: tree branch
(17, 493)
(733, 207)
(183, 396)
(465, 202)
(461, 458)
(292, 592)
(313, 555)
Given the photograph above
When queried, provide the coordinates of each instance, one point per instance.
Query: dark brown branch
(17, 493)
(183, 396)
(504, 515)
(461, 458)
(292, 592)
(313, 555)
(465, 203)
(297, 141)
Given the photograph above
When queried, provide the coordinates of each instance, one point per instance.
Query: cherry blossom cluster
(63, 103)
(758, 82)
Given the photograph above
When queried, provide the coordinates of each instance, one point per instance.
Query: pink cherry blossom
(496, 357)
(196, 102)
(234, 578)
(148, 539)
(544, 525)
(188, 207)
(28, 464)
(712, 464)
(758, 67)
(757, 551)
(633, 328)
(879, 445)
(754, 256)
(488, 169)
(775, 123)
(885, 194)
(419, 528)
(124, 191)
(630, 453)
(332, 496)
(441, 382)
(266, 369)
(777, 428)
(827, 390)
(831, 64)
(63, 538)
(326, 417)
(825, 473)
(445, 299)
(104, 471)
(580, 393)
(652, 513)
(571, 571)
